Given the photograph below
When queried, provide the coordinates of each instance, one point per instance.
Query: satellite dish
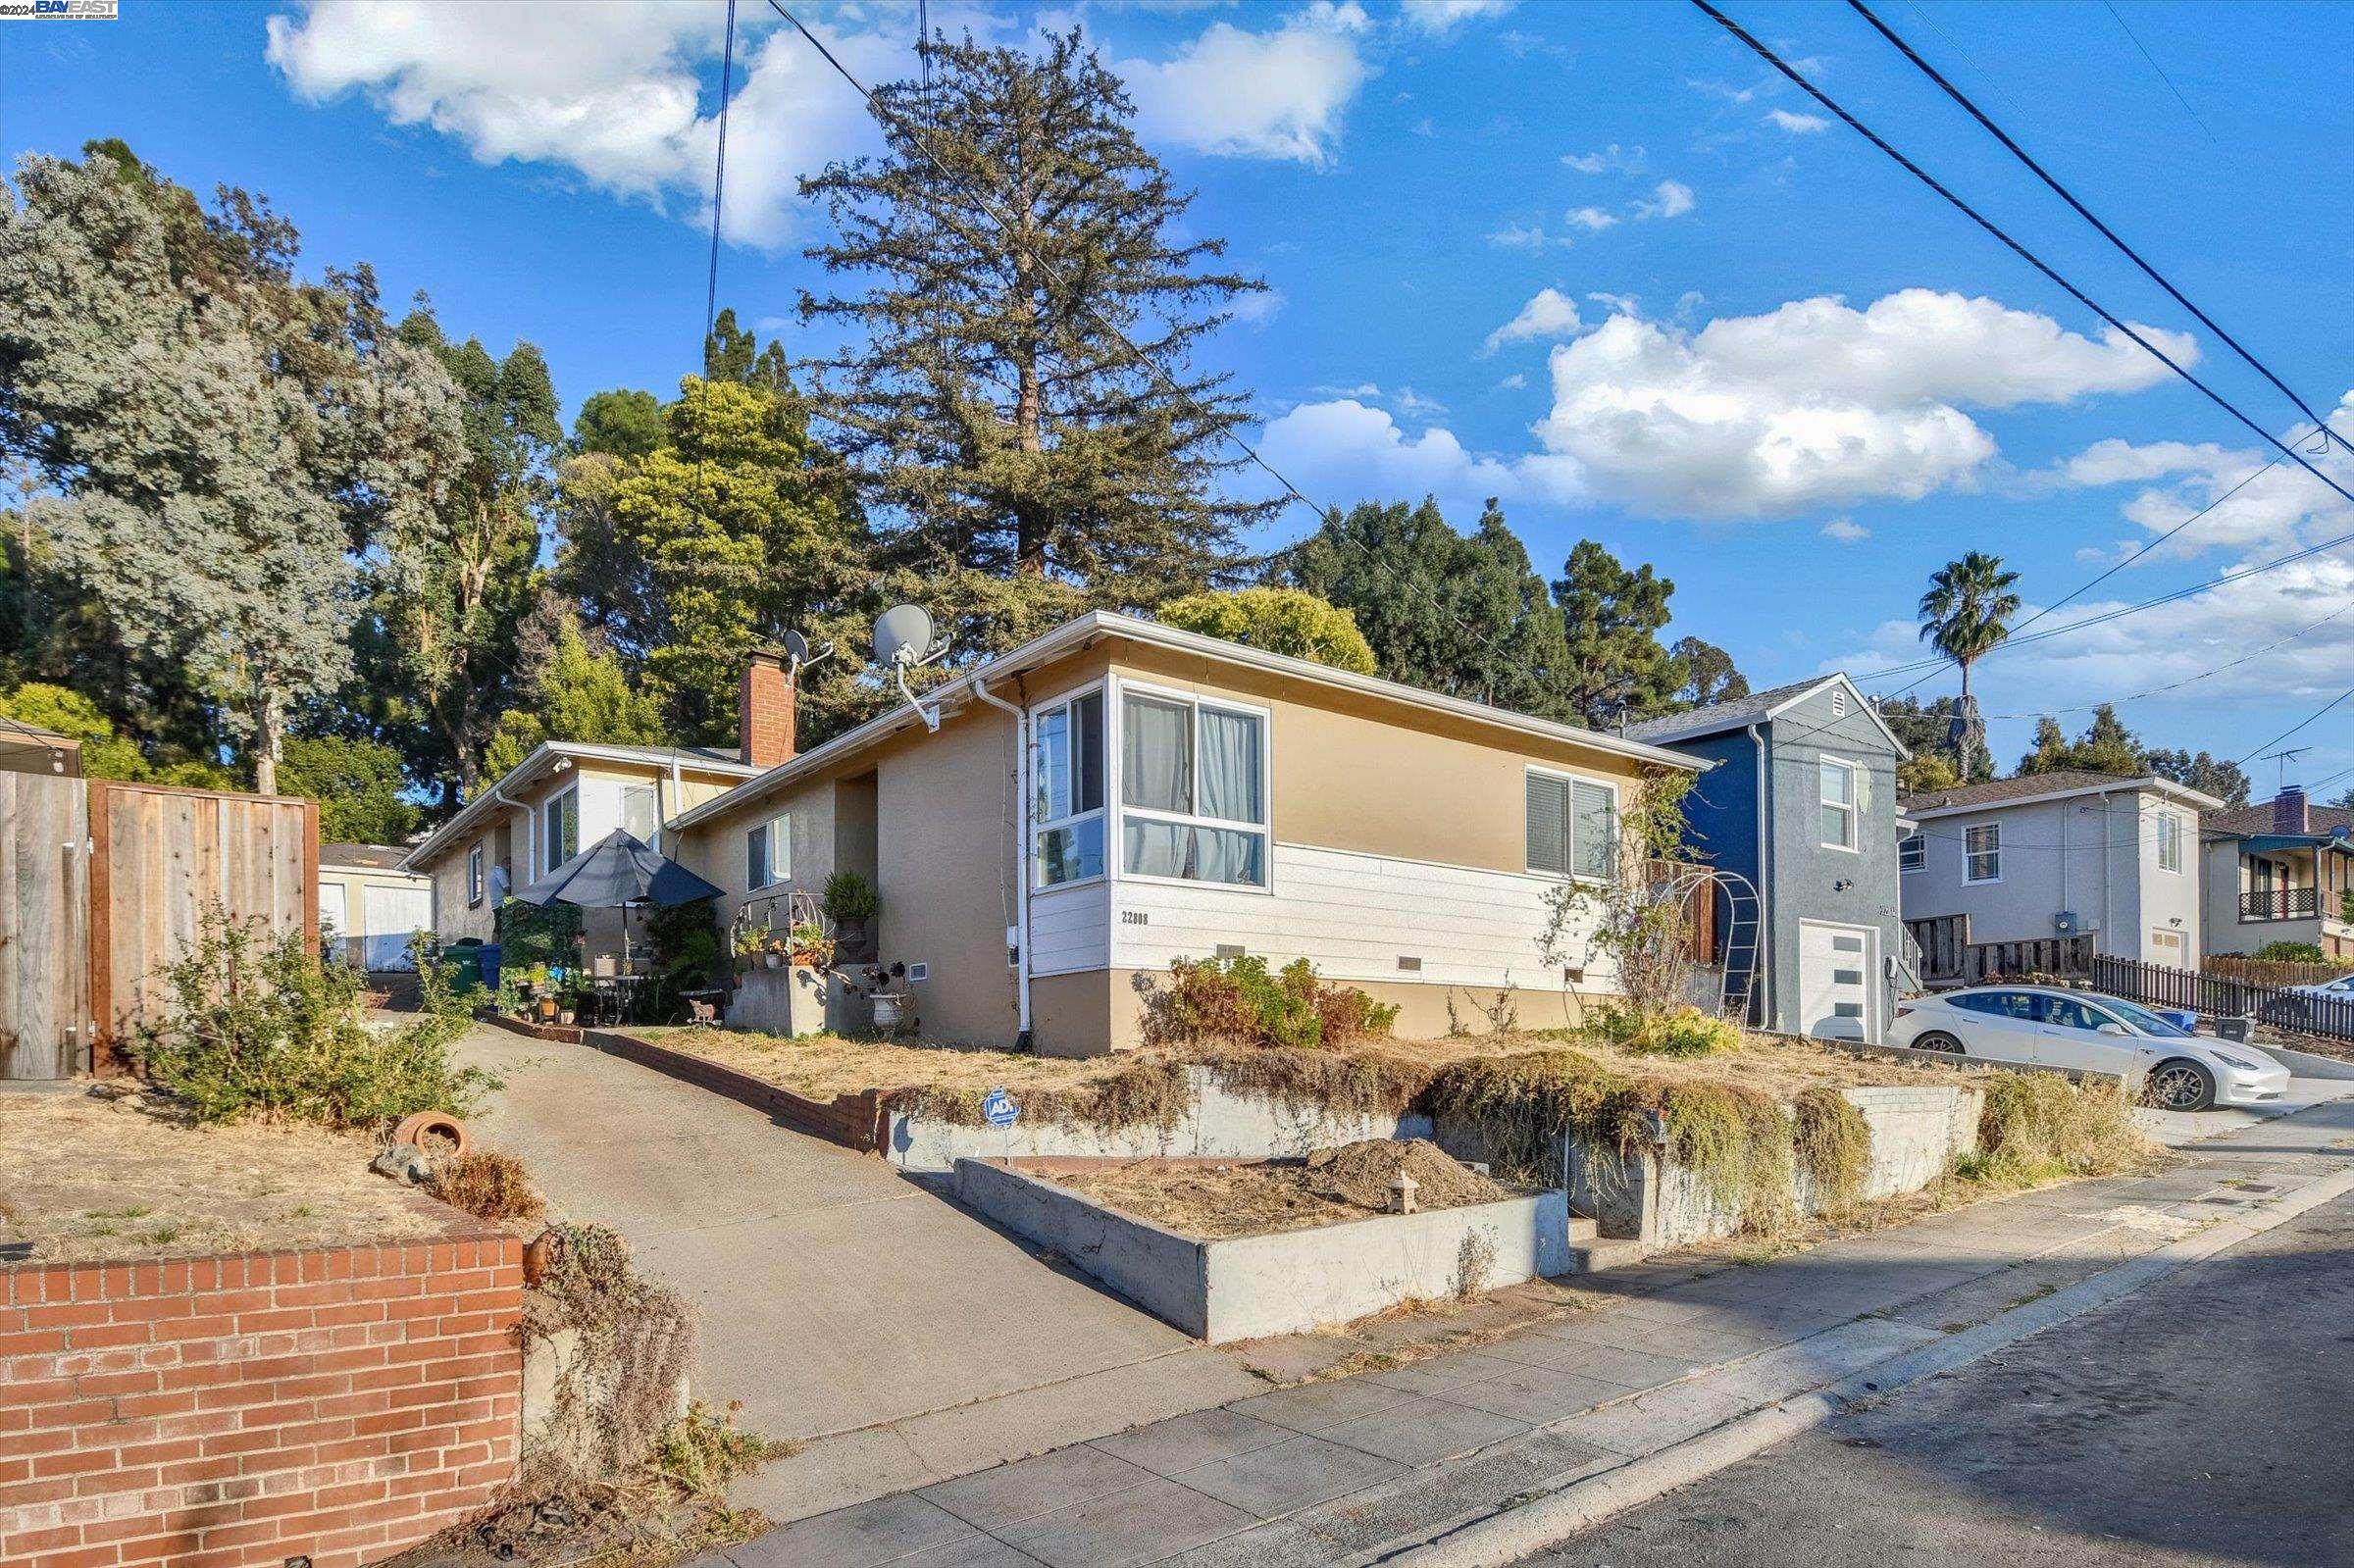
(904, 635)
(796, 648)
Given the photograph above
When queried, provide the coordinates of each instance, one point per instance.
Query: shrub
(701, 1453)
(257, 1027)
(1241, 1001)
(2290, 953)
(489, 1186)
(849, 896)
(1677, 1032)
(2039, 1127)
(1833, 1145)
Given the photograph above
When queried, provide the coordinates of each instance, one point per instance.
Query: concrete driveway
(841, 1303)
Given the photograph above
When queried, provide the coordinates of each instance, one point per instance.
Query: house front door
(1839, 969)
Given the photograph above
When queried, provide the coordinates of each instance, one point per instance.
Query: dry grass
(87, 1178)
(488, 1186)
(1260, 1197)
(824, 1066)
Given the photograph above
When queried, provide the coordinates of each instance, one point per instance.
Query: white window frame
(653, 794)
(551, 841)
(1617, 803)
(1038, 827)
(2169, 842)
(1916, 841)
(779, 829)
(474, 877)
(1970, 855)
(1115, 852)
(1852, 808)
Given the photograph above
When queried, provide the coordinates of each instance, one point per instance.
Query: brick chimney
(2289, 813)
(764, 709)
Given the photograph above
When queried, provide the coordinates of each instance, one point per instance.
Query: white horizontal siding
(1353, 916)
(1070, 929)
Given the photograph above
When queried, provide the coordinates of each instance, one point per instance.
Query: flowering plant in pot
(750, 943)
(810, 945)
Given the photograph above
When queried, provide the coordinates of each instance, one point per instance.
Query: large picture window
(1192, 791)
(1572, 827)
(1066, 808)
(562, 829)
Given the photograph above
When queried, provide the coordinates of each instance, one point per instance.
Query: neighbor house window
(768, 853)
(1192, 791)
(1982, 852)
(641, 816)
(473, 875)
(1836, 791)
(1912, 850)
(1066, 807)
(1572, 826)
(2170, 841)
(560, 821)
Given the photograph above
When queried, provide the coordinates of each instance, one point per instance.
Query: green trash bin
(465, 960)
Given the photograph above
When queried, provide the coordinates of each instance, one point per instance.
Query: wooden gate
(44, 927)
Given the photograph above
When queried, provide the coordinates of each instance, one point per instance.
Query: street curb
(1498, 1539)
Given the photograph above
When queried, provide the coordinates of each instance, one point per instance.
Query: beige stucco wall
(1072, 1015)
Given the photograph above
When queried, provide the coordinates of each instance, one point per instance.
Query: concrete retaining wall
(1221, 1124)
(1248, 1287)
(1915, 1132)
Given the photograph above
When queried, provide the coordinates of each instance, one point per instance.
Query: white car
(2048, 1027)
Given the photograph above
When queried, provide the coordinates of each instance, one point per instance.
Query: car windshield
(2143, 1019)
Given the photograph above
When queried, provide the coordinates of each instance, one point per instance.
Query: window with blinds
(1572, 826)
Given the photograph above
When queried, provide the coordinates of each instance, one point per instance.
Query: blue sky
(1769, 362)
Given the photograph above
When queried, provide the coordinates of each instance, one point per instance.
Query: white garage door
(393, 916)
(1836, 969)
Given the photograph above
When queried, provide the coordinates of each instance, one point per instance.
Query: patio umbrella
(614, 872)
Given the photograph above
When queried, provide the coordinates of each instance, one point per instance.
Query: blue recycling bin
(490, 966)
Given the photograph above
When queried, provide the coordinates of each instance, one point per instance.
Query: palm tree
(1967, 613)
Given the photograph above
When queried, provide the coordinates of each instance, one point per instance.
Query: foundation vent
(1230, 951)
(1411, 964)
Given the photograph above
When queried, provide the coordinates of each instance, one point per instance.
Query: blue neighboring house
(1802, 805)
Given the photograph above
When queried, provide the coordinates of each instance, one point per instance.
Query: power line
(1990, 226)
(719, 175)
(2176, 685)
(2082, 211)
(2151, 60)
(2310, 717)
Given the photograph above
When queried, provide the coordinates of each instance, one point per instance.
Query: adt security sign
(998, 1110)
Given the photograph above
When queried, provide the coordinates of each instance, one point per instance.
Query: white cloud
(1627, 160)
(1514, 383)
(1344, 451)
(2239, 501)
(1815, 404)
(613, 94)
(1593, 220)
(2115, 461)
(1670, 198)
(1444, 16)
(1415, 405)
(1257, 308)
(1278, 95)
(1549, 314)
(1718, 89)
(1797, 124)
(1846, 530)
(1511, 236)
(1618, 304)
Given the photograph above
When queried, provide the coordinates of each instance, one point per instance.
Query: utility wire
(2087, 213)
(2309, 719)
(1990, 226)
(2151, 61)
(719, 175)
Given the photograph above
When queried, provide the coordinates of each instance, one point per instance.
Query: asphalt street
(2207, 1420)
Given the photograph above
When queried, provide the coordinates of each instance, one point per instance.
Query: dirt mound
(1360, 1174)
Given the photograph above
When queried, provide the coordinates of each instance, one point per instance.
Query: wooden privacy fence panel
(2224, 996)
(44, 927)
(1948, 957)
(2272, 972)
(161, 858)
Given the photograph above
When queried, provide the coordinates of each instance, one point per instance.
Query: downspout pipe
(1766, 945)
(1021, 854)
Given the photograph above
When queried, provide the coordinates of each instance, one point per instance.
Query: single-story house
(2061, 854)
(2281, 871)
(1802, 806)
(369, 908)
(1062, 820)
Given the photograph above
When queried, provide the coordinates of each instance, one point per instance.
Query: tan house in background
(369, 908)
(1064, 820)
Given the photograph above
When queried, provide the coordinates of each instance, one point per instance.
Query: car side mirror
(2116, 1029)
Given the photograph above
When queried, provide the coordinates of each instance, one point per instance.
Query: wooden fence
(2223, 996)
(1948, 957)
(2272, 972)
(111, 882)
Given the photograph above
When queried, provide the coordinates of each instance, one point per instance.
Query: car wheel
(1937, 1039)
(2180, 1085)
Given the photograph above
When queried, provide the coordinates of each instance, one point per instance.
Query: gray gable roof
(1756, 708)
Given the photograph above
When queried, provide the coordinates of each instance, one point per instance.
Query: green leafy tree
(1279, 619)
(1708, 673)
(1964, 616)
(359, 785)
(1925, 772)
(991, 407)
(104, 753)
(1467, 616)
(733, 354)
(1617, 668)
(576, 690)
(211, 437)
(2105, 746)
(2209, 774)
(1930, 730)
(623, 423)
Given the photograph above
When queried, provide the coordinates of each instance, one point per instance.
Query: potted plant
(810, 946)
(850, 902)
(749, 944)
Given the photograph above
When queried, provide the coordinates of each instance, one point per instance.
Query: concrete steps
(1591, 1253)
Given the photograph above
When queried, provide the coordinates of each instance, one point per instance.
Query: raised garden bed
(1237, 1251)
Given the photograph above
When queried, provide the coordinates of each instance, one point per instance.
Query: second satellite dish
(904, 635)
(796, 648)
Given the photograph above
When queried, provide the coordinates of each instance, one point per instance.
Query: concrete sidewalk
(1640, 1360)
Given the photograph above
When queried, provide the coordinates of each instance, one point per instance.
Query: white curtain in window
(1230, 766)
(1195, 854)
(1157, 763)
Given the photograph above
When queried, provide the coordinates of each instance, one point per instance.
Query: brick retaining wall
(214, 1412)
